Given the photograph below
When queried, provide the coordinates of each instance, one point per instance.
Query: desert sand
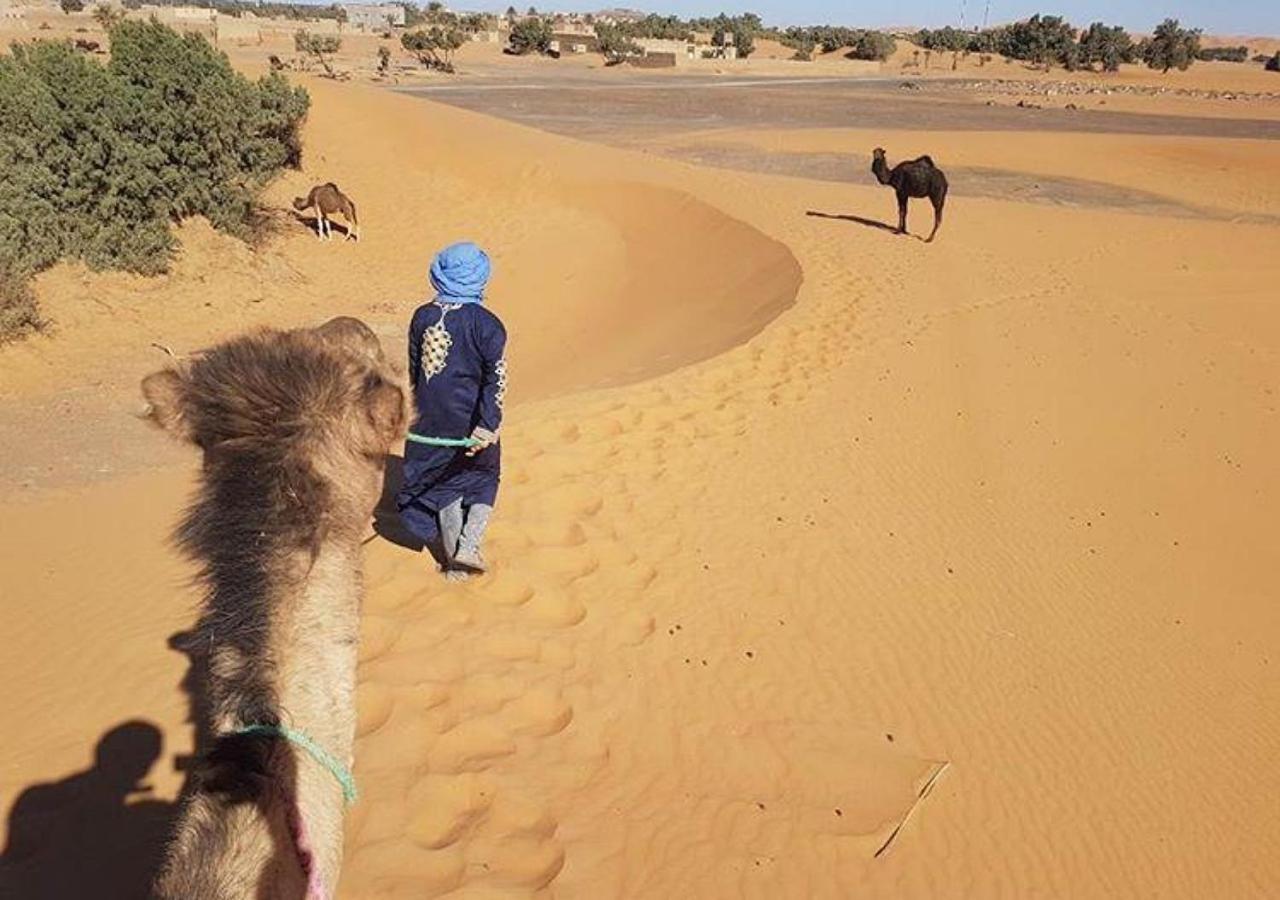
(810, 536)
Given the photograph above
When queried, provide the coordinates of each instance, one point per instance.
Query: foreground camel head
(320, 406)
(878, 153)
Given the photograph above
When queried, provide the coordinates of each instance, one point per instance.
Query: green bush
(1109, 46)
(100, 160)
(1224, 54)
(321, 46)
(1171, 47)
(614, 45)
(1273, 64)
(531, 35)
(434, 46)
(873, 45)
(947, 38)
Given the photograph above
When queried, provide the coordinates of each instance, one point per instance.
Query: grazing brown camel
(326, 200)
(915, 178)
(294, 427)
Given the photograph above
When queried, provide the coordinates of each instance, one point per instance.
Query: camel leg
(319, 225)
(902, 214)
(937, 220)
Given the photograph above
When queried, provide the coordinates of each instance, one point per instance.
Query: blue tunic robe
(458, 373)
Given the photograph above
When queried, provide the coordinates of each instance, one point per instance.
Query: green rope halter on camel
(340, 772)
(443, 442)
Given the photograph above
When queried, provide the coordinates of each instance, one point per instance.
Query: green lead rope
(318, 753)
(443, 442)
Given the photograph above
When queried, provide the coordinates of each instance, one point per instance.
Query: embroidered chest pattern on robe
(433, 355)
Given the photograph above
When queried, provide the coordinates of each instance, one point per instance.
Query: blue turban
(460, 272)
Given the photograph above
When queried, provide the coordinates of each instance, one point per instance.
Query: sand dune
(795, 514)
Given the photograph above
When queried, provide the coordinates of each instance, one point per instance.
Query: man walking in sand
(458, 371)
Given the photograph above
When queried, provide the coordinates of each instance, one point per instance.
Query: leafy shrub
(873, 45)
(70, 6)
(614, 44)
(1171, 46)
(434, 46)
(1273, 64)
(942, 39)
(1224, 54)
(1041, 39)
(321, 46)
(1108, 46)
(99, 160)
(532, 35)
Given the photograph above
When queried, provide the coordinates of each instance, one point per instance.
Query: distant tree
(107, 16)
(1171, 46)
(614, 44)
(70, 6)
(511, 13)
(1107, 46)
(131, 5)
(474, 23)
(532, 35)
(803, 48)
(1042, 40)
(434, 46)
(1223, 54)
(873, 45)
(321, 46)
(1273, 64)
(942, 39)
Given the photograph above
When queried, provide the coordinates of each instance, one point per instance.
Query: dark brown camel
(326, 200)
(913, 178)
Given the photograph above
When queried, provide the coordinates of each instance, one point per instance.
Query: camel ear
(165, 392)
(384, 411)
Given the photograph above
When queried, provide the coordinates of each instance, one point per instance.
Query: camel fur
(914, 178)
(326, 199)
(294, 427)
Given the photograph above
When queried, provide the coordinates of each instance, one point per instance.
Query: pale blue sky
(1261, 17)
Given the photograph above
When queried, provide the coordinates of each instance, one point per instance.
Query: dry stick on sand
(924, 792)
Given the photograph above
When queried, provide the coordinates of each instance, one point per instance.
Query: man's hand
(484, 439)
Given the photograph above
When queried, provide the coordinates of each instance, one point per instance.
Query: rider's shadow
(96, 833)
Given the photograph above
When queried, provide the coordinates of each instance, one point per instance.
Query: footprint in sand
(377, 636)
(471, 746)
(555, 607)
(374, 703)
(567, 563)
(540, 712)
(449, 806)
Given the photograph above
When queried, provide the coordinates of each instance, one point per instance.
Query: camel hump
(926, 159)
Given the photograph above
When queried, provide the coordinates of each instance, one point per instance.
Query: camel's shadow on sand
(312, 223)
(95, 833)
(859, 220)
